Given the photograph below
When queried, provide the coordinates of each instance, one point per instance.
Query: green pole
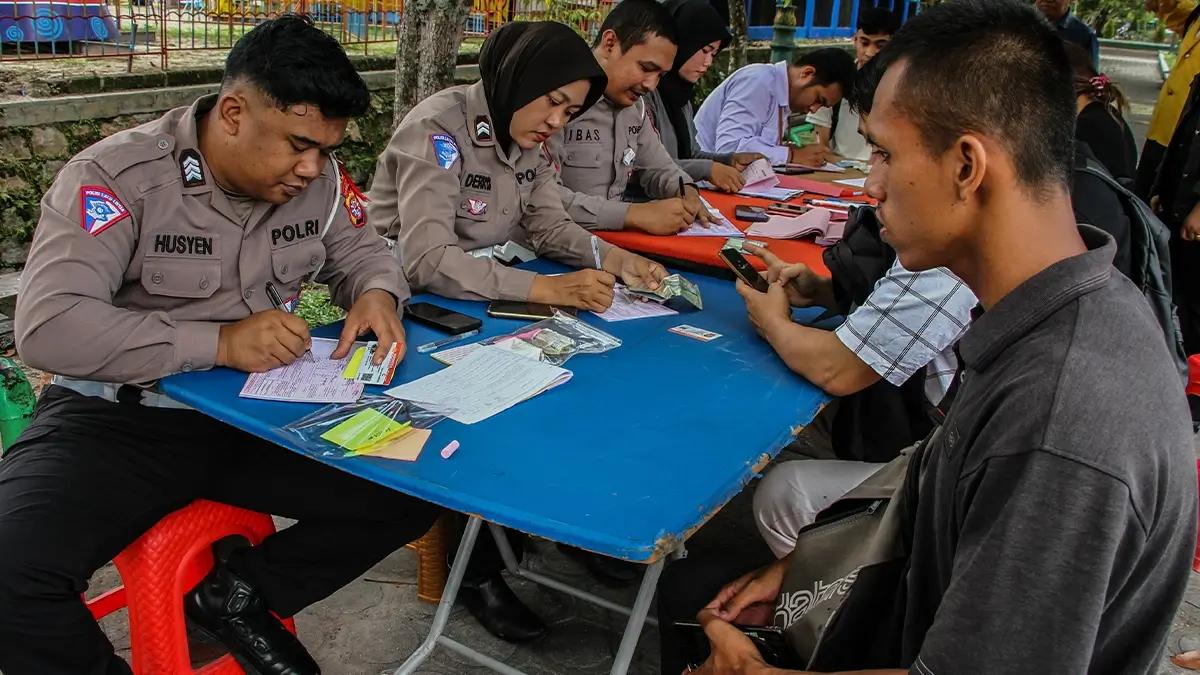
(783, 39)
(16, 402)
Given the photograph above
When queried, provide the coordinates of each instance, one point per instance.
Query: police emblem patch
(445, 148)
(99, 209)
(475, 207)
(353, 199)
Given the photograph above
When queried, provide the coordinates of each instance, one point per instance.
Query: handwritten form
(628, 306)
(720, 227)
(487, 381)
(312, 378)
(760, 175)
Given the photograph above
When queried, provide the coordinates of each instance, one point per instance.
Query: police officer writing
(602, 148)
(464, 171)
(153, 256)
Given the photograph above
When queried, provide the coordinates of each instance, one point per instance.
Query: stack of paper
(487, 381)
(779, 194)
(628, 306)
(312, 378)
(759, 175)
(815, 221)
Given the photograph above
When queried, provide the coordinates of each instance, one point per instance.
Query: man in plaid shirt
(910, 322)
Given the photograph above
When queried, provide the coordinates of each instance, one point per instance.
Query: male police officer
(158, 251)
(599, 150)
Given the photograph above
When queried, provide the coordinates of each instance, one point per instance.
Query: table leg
(442, 615)
(637, 617)
(510, 563)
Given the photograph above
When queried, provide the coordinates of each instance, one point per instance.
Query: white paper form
(719, 227)
(312, 378)
(760, 175)
(628, 306)
(777, 193)
(487, 381)
(853, 182)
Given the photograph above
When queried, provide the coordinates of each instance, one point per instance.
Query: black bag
(876, 423)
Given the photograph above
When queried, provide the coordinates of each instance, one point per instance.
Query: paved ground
(372, 624)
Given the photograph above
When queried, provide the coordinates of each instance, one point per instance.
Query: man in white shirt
(875, 27)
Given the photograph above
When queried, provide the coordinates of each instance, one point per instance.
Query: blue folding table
(629, 458)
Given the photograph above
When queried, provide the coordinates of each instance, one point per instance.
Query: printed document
(312, 378)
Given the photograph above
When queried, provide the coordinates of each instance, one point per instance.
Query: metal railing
(32, 30)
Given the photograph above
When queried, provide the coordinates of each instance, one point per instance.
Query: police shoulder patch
(445, 149)
(99, 209)
(353, 199)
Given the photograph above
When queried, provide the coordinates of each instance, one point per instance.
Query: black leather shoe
(232, 612)
(608, 571)
(500, 611)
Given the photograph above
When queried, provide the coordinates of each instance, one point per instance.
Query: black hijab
(697, 23)
(524, 60)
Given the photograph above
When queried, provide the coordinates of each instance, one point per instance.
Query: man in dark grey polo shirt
(1057, 514)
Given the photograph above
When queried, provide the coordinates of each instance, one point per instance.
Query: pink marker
(449, 449)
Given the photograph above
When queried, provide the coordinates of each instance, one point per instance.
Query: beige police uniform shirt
(139, 257)
(443, 188)
(598, 152)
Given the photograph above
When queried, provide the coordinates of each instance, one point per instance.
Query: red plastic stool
(162, 565)
(1193, 384)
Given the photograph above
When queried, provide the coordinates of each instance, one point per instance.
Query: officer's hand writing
(750, 599)
(741, 160)
(664, 217)
(767, 310)
(1190, 231)
(374, 311)
(263, 341)
(726, 178)
(804, 287)
(586, 289)
(633, 269)
(731, 652)
(810, 155)
(695, 207)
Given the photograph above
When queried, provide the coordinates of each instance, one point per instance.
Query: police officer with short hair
(465, 171)
(158, 251)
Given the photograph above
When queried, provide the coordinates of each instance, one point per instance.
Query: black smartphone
(793, 169)
(742, 268)
(533, 311)
(440, 318)
(753, 214)
(767, 639)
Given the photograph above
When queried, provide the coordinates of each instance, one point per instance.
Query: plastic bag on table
(558, 338)
(349, 429)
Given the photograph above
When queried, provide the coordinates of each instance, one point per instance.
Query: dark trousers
(89, 476)
(1185, 278)
(1147, 169)
(486, 560)
(685, 588)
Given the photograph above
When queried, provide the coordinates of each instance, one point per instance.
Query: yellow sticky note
(351, 370)
(404, 447)
(363, 429)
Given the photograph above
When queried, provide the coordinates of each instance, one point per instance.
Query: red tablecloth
(704, 250)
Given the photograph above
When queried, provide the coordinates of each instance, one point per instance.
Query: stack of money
(674, 291)
(736, 243)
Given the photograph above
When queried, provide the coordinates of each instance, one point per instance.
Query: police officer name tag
(627, 158)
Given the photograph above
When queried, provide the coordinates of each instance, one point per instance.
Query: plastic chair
(162, 565)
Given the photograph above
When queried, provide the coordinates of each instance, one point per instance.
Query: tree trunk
(737, 26)
(426, 50)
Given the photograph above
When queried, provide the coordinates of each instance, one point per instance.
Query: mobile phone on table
(743, 269)
(768, 640)
(440, 318)
(533, 311)
(793, 169)
(753, 214)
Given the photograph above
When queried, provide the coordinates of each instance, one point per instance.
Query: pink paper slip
(815, 221)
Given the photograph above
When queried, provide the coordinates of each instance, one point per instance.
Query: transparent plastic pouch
(350, 429)
(558, 339)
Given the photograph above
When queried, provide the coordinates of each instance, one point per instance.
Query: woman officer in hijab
(465, 171)
(702, 34)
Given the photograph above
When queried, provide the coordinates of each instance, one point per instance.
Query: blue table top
(641, 447)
